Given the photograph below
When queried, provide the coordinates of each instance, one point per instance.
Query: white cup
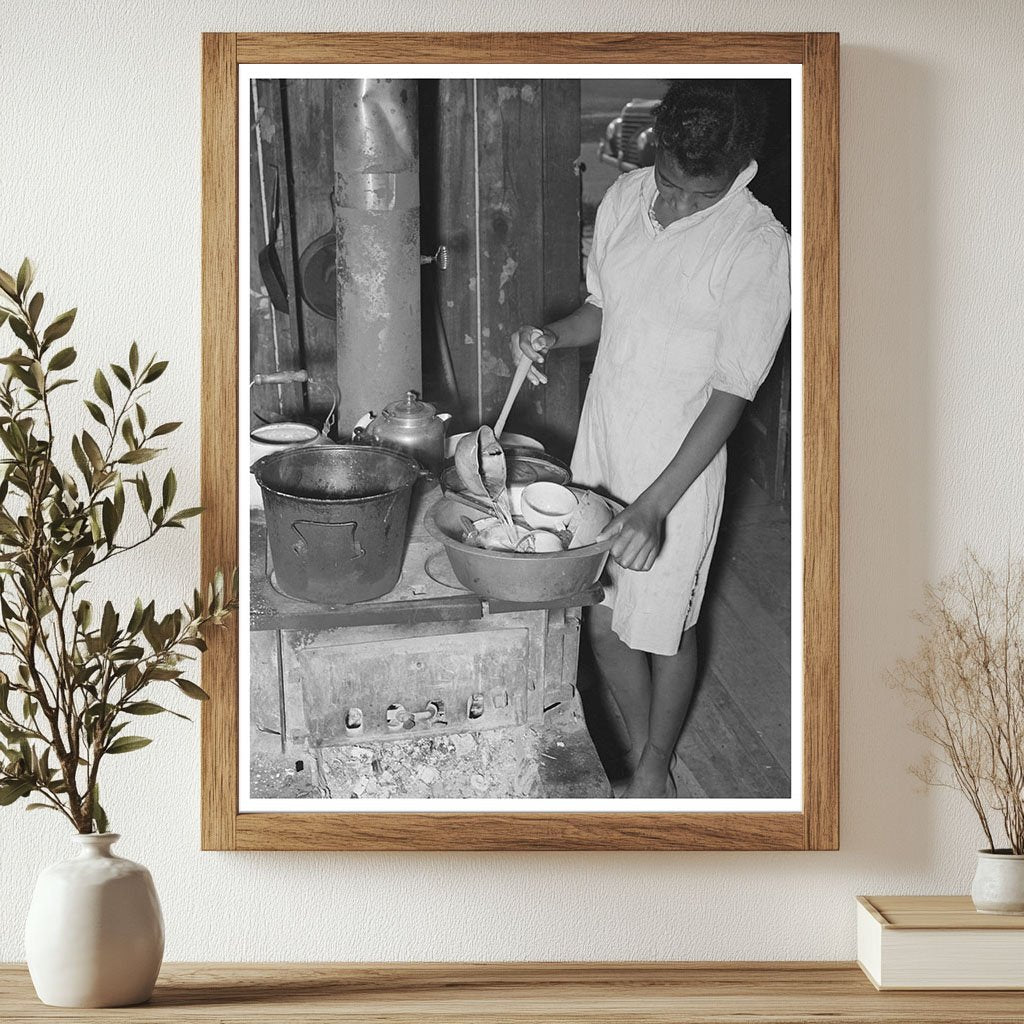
(547, 505)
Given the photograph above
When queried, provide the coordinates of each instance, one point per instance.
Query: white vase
(999, 883)
(95, 934)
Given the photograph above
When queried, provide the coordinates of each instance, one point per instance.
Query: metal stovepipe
(377, 228)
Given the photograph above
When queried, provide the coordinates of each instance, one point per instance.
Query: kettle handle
(444, 417)
(363, 422)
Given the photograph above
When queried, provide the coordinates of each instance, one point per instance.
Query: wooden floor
(736, 741)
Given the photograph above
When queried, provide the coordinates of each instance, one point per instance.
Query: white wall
(100, 183)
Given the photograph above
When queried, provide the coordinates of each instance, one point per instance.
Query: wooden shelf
(793, 993)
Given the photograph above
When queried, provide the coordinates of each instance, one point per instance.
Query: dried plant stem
(967, 680)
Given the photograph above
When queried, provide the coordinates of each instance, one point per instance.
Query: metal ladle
(480, 463)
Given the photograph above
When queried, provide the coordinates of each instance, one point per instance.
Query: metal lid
(410, 409)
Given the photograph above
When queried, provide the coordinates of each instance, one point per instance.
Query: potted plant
(967, 680)
(80, 672)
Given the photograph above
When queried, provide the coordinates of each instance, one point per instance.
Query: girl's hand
(532, 342)
(637, 530)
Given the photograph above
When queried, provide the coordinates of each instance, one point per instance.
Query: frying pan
(270, 265)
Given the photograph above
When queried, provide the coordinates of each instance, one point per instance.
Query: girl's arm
(638, 529)
(580, 328)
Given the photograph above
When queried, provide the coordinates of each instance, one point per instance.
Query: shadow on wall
(888, 274)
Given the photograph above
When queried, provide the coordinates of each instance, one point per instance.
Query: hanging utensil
(270, 264)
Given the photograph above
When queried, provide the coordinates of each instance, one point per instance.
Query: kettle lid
(410, 409)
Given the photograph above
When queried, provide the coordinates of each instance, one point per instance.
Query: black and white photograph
(521, 413)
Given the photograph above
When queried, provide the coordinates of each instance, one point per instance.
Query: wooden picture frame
(816, 826)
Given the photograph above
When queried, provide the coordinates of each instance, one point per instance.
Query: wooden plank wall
(267, 402)
(295, 124)
(307, 152)
(517, 142)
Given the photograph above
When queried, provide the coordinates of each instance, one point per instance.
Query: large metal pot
(336, 519)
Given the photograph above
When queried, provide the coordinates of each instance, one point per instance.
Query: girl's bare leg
(626, 675)
(673, 678)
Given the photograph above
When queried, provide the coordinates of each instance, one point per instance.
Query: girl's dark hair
(711, 126)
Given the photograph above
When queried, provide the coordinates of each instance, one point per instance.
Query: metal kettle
(411, 426)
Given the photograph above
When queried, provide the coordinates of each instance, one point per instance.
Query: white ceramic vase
(95, 934)
(999, 883)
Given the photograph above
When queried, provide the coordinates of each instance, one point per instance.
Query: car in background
(629, 140)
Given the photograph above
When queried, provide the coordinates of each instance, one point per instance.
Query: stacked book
(938, 942)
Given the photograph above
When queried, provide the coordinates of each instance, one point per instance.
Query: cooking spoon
(522, 369)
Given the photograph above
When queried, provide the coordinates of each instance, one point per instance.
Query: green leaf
(95, 412)
(12, 733)
(34, 308)
(60, 326)
(130, 653)
(170, 488)
(126, 744)
(109, 518)
(20, 328)
(14, 790)
(26, 274)
(140, 415)
(96, 711)
(137, 617)
(128, 433)
(102, 388)
(108, 625)
(41, 807)
(92, 449)
(121, 374)
(84, 614)
(186, 513)
(81, 461)
(191, 690)
(154, 372)
(63, 359)
(133, 358)
(143, 707)
(7, 283)
(145, 498)
(138, 455)
(147, 707)
(166, 428)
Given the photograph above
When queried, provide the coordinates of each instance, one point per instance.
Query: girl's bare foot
(652, 778)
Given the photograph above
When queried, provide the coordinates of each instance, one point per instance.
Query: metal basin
(510, 576)
(336, 520)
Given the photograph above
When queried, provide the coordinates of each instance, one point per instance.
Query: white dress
(698, 305)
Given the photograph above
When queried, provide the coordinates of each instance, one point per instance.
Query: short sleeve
(755, 310)
(602, 227)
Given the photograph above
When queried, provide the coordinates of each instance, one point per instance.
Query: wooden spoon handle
(522, 369)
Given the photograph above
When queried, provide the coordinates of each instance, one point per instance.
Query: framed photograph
(520, 418)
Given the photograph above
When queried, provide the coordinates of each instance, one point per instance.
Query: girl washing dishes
(689, 296)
